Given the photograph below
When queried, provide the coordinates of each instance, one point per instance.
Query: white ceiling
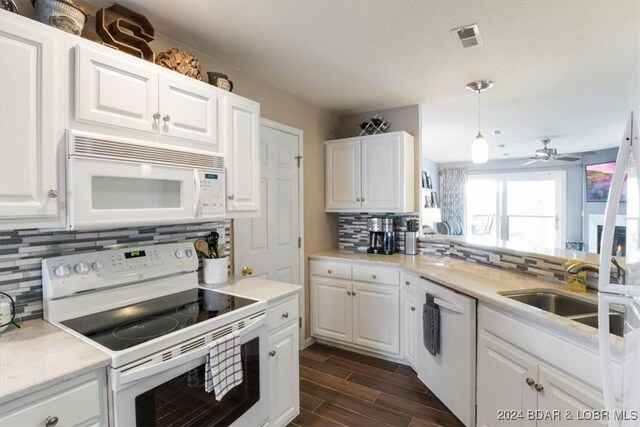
(561, 68)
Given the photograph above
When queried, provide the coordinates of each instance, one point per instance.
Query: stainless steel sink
(554, 303)
(616, 322)
(571, 308)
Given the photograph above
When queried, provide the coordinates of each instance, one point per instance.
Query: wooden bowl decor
(123, 29)
(62, 14)
(180, 60)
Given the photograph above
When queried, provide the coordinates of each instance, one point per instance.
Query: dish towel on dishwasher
(223, 370)
(431, 326)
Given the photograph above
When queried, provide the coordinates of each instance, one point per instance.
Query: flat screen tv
(598, 178)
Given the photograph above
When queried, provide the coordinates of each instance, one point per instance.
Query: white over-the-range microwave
(115, 182)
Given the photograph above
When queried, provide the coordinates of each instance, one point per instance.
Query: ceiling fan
(545, 154)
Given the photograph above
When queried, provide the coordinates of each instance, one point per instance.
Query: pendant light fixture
(479, 149)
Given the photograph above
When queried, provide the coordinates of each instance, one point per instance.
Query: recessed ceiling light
(501, 145)
(505, 154)
(496, 132)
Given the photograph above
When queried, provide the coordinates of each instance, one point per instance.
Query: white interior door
(268, 244)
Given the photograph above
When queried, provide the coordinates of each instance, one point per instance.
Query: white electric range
(143, 307)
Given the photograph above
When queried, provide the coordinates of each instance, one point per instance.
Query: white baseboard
(309, 341)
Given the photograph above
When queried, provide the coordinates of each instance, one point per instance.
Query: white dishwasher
(451, 373)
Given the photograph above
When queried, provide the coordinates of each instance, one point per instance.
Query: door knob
(231, 197)
(373, 276)
(539, 387)
(285, 315)
(349, 293)
(272, 353)
(51, 421)
(530, 381)
(358, 199)
(166, 118)
(362, 199)
(247, 271)
(413, 309)
(156, 116)
(52, 194)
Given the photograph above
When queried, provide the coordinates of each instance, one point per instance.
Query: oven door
(172, 392)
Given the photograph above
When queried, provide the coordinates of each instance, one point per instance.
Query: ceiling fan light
(479, 150)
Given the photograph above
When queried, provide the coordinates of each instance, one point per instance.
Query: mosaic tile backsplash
(21, 253)
(353, 236)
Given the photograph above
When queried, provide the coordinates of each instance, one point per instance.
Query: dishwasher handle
(449, 306)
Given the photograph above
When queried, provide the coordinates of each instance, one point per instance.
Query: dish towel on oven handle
(223, 370)
(431, 325)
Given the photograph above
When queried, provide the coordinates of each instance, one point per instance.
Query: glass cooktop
(125, 327)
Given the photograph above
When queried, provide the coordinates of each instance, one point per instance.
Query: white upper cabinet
(115, 92)
(189, 110)
(241, 128)
(31, 189)
(343, 174)
(370, 174)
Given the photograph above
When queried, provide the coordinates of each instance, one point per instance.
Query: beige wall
(318, 125)
(401, 118)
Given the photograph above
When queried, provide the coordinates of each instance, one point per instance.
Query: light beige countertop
(38, 355)
(256, 288)
(485, 283)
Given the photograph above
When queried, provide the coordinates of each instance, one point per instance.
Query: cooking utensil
(212, 239)
(221, 250)
(203, 248)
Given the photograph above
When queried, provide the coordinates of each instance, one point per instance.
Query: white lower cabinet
(81, 401)
(364, 313)
(516, 388)
(284, 398)
(408, 322)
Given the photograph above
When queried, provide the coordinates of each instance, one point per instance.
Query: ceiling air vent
(467, 36)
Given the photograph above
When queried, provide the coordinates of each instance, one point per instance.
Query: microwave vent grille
(95, 147)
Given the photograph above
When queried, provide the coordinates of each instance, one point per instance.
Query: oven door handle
(135, 374)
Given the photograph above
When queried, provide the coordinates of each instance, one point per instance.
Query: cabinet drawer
(408, 282)
(376, 274)
(79, 405)
(282, 313)
(331, 269)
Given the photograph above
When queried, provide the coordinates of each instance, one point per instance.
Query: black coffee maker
(381, 236)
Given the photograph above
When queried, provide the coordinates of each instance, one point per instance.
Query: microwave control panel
(211, 202)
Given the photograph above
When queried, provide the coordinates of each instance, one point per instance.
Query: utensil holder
(214, 270)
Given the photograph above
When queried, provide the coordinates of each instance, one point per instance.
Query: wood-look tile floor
(341, 388)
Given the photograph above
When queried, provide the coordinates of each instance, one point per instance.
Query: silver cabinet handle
(231, 197)
(52, 194)
(156, 116)
(51, 421)
(329, 271)
(413, 309)
(539, 387)
(373, 276)
(408, 283)
(530, 381)
(272, 353)
(166, 118)
(285, 315)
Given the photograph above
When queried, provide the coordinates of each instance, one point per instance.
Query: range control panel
(89, 271)
(211, 201)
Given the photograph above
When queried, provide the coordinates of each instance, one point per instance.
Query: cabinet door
(561, 395)
(331, 309)
(284, 400)
(342, 175)
(382, 173)
(408, 323)
(115, 91)
(242, 157)
(30, 130)
(502, 384)
(189, 111)
(376, 317)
